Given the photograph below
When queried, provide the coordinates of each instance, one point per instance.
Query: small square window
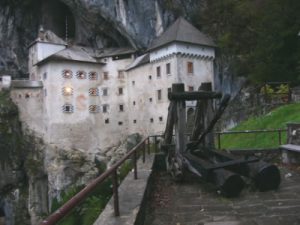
(81, 75)
(151, 120)
(67, 74)
(105, 76)
(168, 68)
(106, 121)
(121, 74)
(150, 77)
(190, 67)
(134, 121)
(120, 123)
(160, 119)
(94, 109)
(68, 108)
(158, 72)
(121, 108)
(93, 75)
(94, 92)
(190, 88)
(45, 76)
(120, 91)
(105, 92)
(105, 108)
(158, 94)
(150, 99)
(133, 83)
(133, 102)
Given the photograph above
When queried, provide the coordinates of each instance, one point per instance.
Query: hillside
(274, 120)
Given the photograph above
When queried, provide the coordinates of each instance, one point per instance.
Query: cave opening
(57, 17)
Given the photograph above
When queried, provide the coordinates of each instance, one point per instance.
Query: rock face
(97, 23)
(13, 178)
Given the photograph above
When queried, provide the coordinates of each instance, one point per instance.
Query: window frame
(159, 94)
(158, 72)
(168, 69)
(190, 67)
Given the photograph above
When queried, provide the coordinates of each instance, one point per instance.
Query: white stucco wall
(30, 105)
(44, 50)
(83, 129)
(144, 88)
(89, 131)
(182, 48)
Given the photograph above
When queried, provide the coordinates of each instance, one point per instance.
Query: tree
(260, 37)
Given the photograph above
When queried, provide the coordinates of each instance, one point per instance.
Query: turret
(46, 44)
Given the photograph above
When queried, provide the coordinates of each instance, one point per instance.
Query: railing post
(279, 137)
(219, 140)
(115, 193)
(135, 165)
(144, 151)
(149, 145)
(155, 144)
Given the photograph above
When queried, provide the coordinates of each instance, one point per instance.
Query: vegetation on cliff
(260, 39)
(276, 119)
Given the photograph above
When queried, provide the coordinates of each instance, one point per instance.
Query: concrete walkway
(196, 203)
(131, 194)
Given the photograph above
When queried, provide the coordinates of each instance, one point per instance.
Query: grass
(276, 119)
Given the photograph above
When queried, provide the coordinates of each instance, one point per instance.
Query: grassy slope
(273, 120)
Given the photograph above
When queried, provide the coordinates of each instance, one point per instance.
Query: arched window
(94, 108)
(94, 92)
(81, 75)
(67, 74)
(93, 75)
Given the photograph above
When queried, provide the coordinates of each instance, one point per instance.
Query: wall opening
(2, 217)
(57, 17)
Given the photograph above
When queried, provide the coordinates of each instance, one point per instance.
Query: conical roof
(182, 31)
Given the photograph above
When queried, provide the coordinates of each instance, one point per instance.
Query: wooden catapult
(195, 152)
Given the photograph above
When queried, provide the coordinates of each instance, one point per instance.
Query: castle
(79, 97)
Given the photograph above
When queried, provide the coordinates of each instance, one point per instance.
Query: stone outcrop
(96, 23)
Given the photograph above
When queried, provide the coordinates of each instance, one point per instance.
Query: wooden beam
(193, 95)
(170, 123)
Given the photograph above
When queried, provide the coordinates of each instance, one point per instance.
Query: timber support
(198, 155)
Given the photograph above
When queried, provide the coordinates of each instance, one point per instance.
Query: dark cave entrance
(57, 17)
(2, 217)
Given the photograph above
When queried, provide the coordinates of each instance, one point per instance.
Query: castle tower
(46, 44)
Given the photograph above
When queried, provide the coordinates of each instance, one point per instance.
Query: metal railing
(84, 193)
(144, 145)
(278, 131)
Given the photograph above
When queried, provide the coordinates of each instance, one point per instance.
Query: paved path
(197, 203)
(131, 194)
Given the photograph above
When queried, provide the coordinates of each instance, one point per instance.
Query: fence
(279, 133)
(83, 194)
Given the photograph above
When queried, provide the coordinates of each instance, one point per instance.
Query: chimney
(41, 33)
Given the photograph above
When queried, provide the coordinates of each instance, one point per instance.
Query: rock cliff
(96, 23)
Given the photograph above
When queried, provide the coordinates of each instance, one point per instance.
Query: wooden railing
(111, 172)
